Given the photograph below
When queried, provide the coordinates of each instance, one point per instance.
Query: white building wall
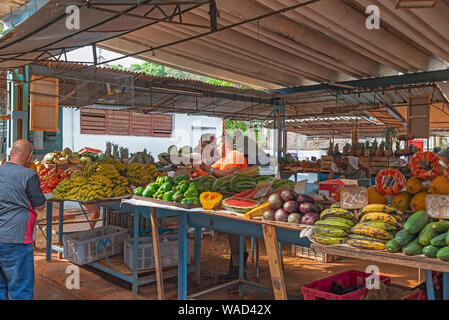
(186, 131)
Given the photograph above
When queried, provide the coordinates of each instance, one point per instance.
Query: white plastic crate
(169, 247)
(88, 246)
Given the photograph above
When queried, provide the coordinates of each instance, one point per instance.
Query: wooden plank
(274, 261)
(157, 254)
(401, 259)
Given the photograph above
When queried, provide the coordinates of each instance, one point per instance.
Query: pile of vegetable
(287, 206)
(49, 178)
(178, 190)
(422, 235)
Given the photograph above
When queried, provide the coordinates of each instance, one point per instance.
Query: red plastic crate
(319, 290)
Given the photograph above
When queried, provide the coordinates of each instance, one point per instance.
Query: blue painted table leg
(135, 251)
(445, 286)
(241, 256)
(257, 259)
(252, 249)
(429, 285)
(182, 259)
(61, 222)
(280, 254)
(49, 230)
(197, 254)
(241, 263)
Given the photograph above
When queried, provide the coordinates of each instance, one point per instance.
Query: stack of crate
(326, 162)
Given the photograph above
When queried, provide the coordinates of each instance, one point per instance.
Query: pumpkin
(209, 200)
(390, 181)
(374, 196)
(425, 165)
(414, 185)
(439, 185)
(401, 200)
(418, 202)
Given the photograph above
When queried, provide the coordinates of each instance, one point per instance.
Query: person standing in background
(21, 196)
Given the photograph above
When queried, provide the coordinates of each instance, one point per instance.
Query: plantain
(330, 231)
(335, 223)
(336, 212)
(380, 217)
(372, 232)
(366, 244)
(360, 237)
(328, 240)
(376, 208)
(380, 225)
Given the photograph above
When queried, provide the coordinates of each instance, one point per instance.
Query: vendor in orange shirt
(230, 162)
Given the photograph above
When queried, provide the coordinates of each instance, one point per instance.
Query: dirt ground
(97, 285)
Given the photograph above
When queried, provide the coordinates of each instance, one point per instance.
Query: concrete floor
(96, 285)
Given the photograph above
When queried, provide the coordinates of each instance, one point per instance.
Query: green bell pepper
(167, 186)
(183, 187)
(190, 200)
(168, 196)
(180, 179)
(192, 191)
(148, 192)
(167, 179)
(138, 191)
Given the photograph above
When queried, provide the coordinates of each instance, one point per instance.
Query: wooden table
(421, 262)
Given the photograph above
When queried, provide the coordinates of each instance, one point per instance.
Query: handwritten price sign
(353, 197)
(437, 206)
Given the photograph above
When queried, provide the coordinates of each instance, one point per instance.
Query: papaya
(443, 253)
(439, 185)
(414, 185)
(427, 234)
(403, 237)
(375, 197)
(430, 251)
(416, 222)
(412, 248)
(418, 202)
(401, 200)
(393, 245)
(439, 240)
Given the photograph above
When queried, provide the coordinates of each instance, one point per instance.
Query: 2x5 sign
(353, 197)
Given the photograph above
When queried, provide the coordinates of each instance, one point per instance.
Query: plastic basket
(309, 253)
(319, 290)
(169, 248)
(88, 246)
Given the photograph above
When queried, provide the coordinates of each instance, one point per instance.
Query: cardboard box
(331, 188)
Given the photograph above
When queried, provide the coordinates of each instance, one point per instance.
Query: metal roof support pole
(278, 132)
(17, 106)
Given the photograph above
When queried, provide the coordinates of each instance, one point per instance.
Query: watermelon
(240, 205)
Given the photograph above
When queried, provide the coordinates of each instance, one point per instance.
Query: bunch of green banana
(107, 170)
(332, 230)
(117, 164)
(337, 212)
(90, 169)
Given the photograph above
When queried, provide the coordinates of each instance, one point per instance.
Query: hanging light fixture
(415, 4)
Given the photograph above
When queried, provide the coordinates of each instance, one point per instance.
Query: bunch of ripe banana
(89, 169)
(376, 226)
(141, 174)
(334, 226)
(121, 186)
(107, 170)
(121, 168)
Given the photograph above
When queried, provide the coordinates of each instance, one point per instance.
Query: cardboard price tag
(437, 206)
(353, 197)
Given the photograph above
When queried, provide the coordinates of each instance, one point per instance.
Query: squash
(425, 165)
(375, 197)
(390, 181)
(257, 211)
(439, 185)
(418, 202)
(401, 200)
(209, 200)
(33, 167)
(414, 185)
